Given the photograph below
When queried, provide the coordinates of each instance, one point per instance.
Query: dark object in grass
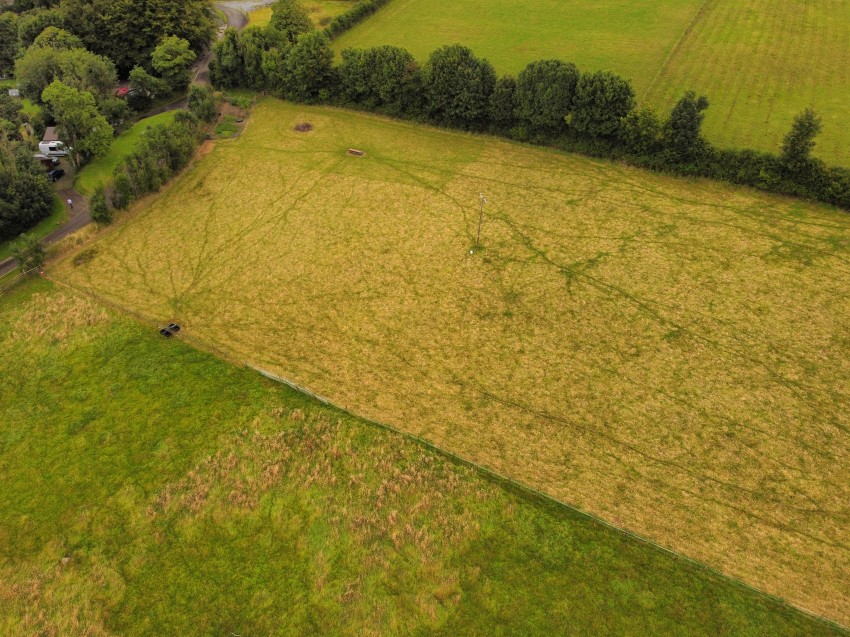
(303, 127)
(166, 333)
(174, 327)
(85, 256)
(355, 152)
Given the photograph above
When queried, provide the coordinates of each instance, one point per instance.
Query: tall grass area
(760, 62)
(668, 354)
(99, 171)
(149, 488)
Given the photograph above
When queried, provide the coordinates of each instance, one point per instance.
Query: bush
(202, 103)
(99, 209)
(28, 252)
(503, 103)
(122, 191)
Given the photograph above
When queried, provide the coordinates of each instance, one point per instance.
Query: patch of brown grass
(56, 316)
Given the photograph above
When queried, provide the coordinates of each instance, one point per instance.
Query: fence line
(487, 473)
(8, 285)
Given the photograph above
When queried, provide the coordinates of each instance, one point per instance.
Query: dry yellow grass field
(668, 354)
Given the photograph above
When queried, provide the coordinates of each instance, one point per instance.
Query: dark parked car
(56, 174)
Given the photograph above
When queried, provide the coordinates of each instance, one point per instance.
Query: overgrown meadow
(667, 354)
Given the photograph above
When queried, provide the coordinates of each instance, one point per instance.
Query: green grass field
(668, 354)
(191, 497)
(759, 61)
(99, 172)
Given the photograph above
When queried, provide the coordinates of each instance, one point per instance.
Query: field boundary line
(485, 472)
(529, 491)
(703, 9)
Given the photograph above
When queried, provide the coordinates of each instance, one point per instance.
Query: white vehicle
(53, 149)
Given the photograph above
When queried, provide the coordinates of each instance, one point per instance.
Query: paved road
(235, 12)
(78, 217)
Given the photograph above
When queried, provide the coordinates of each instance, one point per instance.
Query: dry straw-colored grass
(670, 355)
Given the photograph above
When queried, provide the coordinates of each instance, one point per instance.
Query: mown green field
(99, 171)
(668, 354)
(759, 61)
(191, 497)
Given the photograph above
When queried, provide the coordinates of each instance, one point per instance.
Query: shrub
(122, 191)
(202, 103)
(99, 209)
(29, 254)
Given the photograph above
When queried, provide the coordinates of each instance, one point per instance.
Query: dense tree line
(125, 32)
(550, 102)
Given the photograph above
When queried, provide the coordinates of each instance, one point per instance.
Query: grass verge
(99, 171)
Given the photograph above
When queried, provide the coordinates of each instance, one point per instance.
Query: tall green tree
(8, 41)
(308, 67)
(58, 39)
(128, 31)
(32, 23)
(384, 77)
(11, 109)
(602, 99)
(682, 132)
(544, 94)
(458, 87)
(26, 196)
(503, 103)
(77, 68)
(799, 142)
(228, 68)
(290, 19)
(253, 43)
(80, 123)
(172, 59)
(99, 209)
